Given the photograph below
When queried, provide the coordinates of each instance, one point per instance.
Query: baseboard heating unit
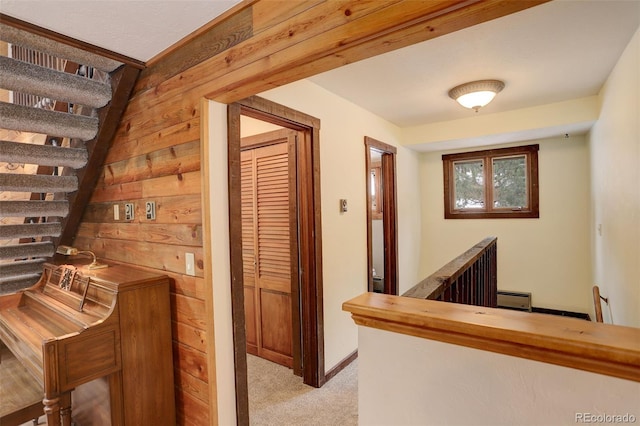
(514, 300)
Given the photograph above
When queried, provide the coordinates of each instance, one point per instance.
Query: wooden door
(269, 247)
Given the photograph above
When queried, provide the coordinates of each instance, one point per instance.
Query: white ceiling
(557, 51)
(549, 53)
(139, 29)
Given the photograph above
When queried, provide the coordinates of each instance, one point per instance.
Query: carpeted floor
(278, 397)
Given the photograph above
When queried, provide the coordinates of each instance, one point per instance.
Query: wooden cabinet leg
(52, 410)
(58, 410)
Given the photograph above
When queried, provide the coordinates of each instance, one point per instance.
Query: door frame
(389, 214)
(309, 234)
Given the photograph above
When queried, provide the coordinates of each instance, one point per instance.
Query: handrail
(597, 303)
(470, 278)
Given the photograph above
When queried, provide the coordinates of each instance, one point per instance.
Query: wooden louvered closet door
(268, 204)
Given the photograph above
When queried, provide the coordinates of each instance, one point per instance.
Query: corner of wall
(614, 147)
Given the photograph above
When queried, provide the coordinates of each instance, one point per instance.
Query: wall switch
(343, 205)
(116, 212)
(190, 264)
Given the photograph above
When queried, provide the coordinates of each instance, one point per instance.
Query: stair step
(15, 284)
(52, 123)
(21, 268)
(23, 251)
(28, 230)
(12, 208)
(61, 86)
(37, 183)
(32, 41)
(43, 155)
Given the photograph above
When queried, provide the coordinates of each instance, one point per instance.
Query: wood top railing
(470, 278)
(599, 348)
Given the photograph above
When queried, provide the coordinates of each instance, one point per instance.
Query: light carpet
(278, 397)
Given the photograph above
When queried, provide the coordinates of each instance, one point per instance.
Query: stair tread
(44, 155)
(25, 230)
(18, 283)
(11, 278)
(19, 251)
(32, 79)
(20, 268)
(21, 208)
(53, 123)
(37, 183)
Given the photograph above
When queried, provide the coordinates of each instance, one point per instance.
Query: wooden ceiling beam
(325, 37)
(319, 37)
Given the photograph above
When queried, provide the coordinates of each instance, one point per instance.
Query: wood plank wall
(155, 155)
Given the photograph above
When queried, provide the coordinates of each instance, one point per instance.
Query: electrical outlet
(151, 210)
(116, 212)
(190, 264)
(129, 211)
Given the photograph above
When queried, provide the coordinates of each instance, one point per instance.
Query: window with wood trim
(496, 183)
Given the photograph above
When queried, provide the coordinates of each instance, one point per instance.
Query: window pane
(469, 184)
(510, 182)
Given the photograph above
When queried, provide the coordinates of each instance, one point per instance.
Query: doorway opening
(306, 306)
(382, 213)
(270, 241)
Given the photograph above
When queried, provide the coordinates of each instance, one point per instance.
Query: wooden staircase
(70, 101)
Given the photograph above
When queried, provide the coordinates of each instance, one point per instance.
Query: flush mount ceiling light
(476, 94)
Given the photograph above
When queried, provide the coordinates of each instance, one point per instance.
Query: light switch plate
(190, 264)
(116, 212)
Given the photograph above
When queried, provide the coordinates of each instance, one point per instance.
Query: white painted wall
(538, 122)
(442, 384)
(556, 269)
(342, 160)
(250, 126)
(549, 256)
(344, 235)
(615, 192)
(225, 387)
